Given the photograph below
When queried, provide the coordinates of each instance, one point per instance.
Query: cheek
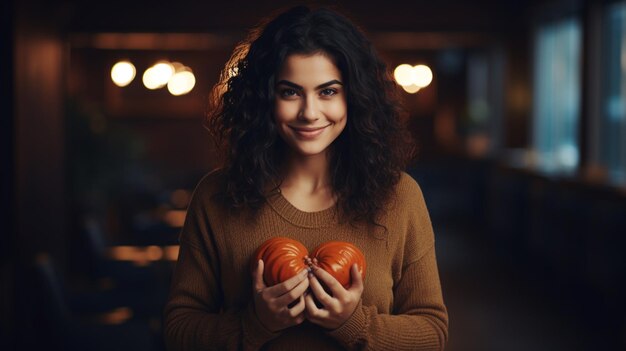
(285, 112)
(337, 111)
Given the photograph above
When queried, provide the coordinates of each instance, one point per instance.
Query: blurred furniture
(140, 282)
(79, 322)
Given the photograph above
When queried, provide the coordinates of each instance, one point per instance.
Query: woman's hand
(338, 307)
(272, 303)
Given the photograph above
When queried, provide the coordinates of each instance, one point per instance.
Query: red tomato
(336, 258)
(283, 258)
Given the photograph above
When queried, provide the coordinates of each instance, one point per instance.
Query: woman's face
(310, 103)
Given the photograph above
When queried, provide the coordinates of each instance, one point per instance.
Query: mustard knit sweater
(210, 306)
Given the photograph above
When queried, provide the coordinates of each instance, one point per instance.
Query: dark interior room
(517, 108)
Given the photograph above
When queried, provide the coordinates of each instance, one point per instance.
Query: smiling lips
(309, 132)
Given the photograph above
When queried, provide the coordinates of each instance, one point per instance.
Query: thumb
(357, 279)
(258, 276)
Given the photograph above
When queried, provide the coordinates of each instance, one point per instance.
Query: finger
(298, 319)
(335, 287)
(310, 307)
(319, 291)
(288, 285)
(294, 293)
(259, 284)
(357, 279)
(313, 313)
(298, 309)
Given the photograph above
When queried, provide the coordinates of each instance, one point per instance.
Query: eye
(329, 92)
(288, 92)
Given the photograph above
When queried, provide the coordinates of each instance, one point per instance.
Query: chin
(309, 151)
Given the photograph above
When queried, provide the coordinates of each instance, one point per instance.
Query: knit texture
(210, 306)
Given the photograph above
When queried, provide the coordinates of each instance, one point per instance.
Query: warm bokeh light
(150, 79)
(123, 73)
(404, 74)
(154, 253)
(175, 218)
(423, 75)
(179, 78)
(117, 316)
(164, 71)
(158, 75)
(411, 89)
(178, 67)
(413, 78)
(181, 83)
(143, 255)
(170, 253)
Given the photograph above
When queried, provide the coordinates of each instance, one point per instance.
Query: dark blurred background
(522, 139)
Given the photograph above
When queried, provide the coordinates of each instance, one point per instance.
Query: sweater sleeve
(194, 316)
(419, 320)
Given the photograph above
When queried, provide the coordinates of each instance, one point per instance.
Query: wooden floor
(492, 306)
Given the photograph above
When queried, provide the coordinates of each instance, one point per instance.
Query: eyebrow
(323, 85)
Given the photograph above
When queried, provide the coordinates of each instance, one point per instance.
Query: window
(612, 142)
(485, 86)
(556, 109)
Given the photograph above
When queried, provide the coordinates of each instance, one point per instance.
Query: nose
(309, 111)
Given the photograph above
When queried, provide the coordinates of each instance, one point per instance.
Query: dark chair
(144, 288)
(59, 327)
(124, 273)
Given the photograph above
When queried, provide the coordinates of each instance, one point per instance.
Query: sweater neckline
(318, 219)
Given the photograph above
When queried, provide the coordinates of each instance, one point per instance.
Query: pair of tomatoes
(284, 258)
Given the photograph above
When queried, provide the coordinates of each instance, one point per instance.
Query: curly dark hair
(368, 156)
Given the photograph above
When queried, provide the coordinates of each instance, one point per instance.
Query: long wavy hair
(366, 158)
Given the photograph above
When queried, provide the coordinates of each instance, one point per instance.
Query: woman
(315, 153)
